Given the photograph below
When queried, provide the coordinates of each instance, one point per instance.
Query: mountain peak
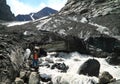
(32, 16)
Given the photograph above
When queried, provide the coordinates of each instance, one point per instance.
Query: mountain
(88, 19)
(32, 16)
(44, 12)
(5, 12)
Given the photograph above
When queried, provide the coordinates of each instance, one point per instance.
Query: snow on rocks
(42, 23)
(101, 29)
(9, 24)
(71, 76)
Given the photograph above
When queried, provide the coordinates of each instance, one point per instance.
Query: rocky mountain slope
(5, 12)
(86, 18)
(33, 16)
(99, 16)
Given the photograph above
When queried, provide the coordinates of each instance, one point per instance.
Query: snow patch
(16, 23)
(83, 20)
(42, 23)
(70, 28)
(101, 29)
(62, 32)
(32, 16)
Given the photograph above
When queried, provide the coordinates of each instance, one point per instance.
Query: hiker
(35, 59)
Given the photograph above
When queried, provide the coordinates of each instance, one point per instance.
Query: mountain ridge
(5, 12)
(33, 16)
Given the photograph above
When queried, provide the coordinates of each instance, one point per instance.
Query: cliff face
(5, 12)
(85, 19)
(101, 12)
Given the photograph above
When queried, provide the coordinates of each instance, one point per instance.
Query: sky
(30, 6)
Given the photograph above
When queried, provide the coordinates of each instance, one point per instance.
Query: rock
(60, 66)
(113, 58)
(42, 52)
(25, 76)
(5, 12)
(7, 69)
(105, 78)
(22, 74)
(45, 77)
(19, 81)
(99, 1)
(103, 42)
(66, 44)
(90, 67)
(116, 82)
(34, 78)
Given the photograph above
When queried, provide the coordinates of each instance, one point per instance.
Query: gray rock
(116, 82)
(34, 78)
(19, 81)
(105, 78)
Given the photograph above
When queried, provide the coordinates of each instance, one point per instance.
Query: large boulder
(91, 68)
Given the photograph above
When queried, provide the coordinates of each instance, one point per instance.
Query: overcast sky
(28, 6)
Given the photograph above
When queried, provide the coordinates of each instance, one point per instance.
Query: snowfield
(9, 24)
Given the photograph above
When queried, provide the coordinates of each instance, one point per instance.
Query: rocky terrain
(87, 26)
(5, 12)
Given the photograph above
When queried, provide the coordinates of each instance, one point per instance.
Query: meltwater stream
(74, 61)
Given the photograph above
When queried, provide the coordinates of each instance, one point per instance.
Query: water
(74, 61)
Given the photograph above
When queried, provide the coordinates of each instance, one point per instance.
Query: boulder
(115, 60)
(90, 67)
(114, 57)
(105, 78)
(34, 78)
(19, 81)
(60, 66)
(25, 76)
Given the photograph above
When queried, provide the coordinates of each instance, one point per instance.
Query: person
(35, 59)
